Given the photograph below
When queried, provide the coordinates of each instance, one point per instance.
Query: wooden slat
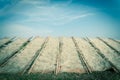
(110, 54)
(17, 50)
(102, 55)
(21, 59)
(84, 62)
(94, 60)
(58, 57)
(115, 40)
(113, 43)
(116, 51)
(5, 41)
(47, 58)
(37, 54)
(11, 49)
(69, 58)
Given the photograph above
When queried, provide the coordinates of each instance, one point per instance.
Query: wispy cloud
(63, 3)
(53, 14)
(35, 2)
(58, 20)
(69, 18)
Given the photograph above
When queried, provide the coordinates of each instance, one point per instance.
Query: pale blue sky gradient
(78, 18)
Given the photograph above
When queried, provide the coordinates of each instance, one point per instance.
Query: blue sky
(79, 18)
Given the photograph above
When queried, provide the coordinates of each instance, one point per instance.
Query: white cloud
(35, 2)
(70, 18)
(56, 20)
(80, 16)
(51, 14)
(64, 3)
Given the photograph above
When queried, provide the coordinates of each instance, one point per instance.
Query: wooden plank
(115, 40)
(31, 62)
(47, 59)
(95, 61)
(21, 59)
(16, 51)
(58, 60)
(5, 41)
(81, 57)
(69, 57)
(110, 54)
(113, 43)
(102, 55)
(11, 49)
(116, 51)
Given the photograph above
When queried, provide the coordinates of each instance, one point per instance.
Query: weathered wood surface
(41, 55)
